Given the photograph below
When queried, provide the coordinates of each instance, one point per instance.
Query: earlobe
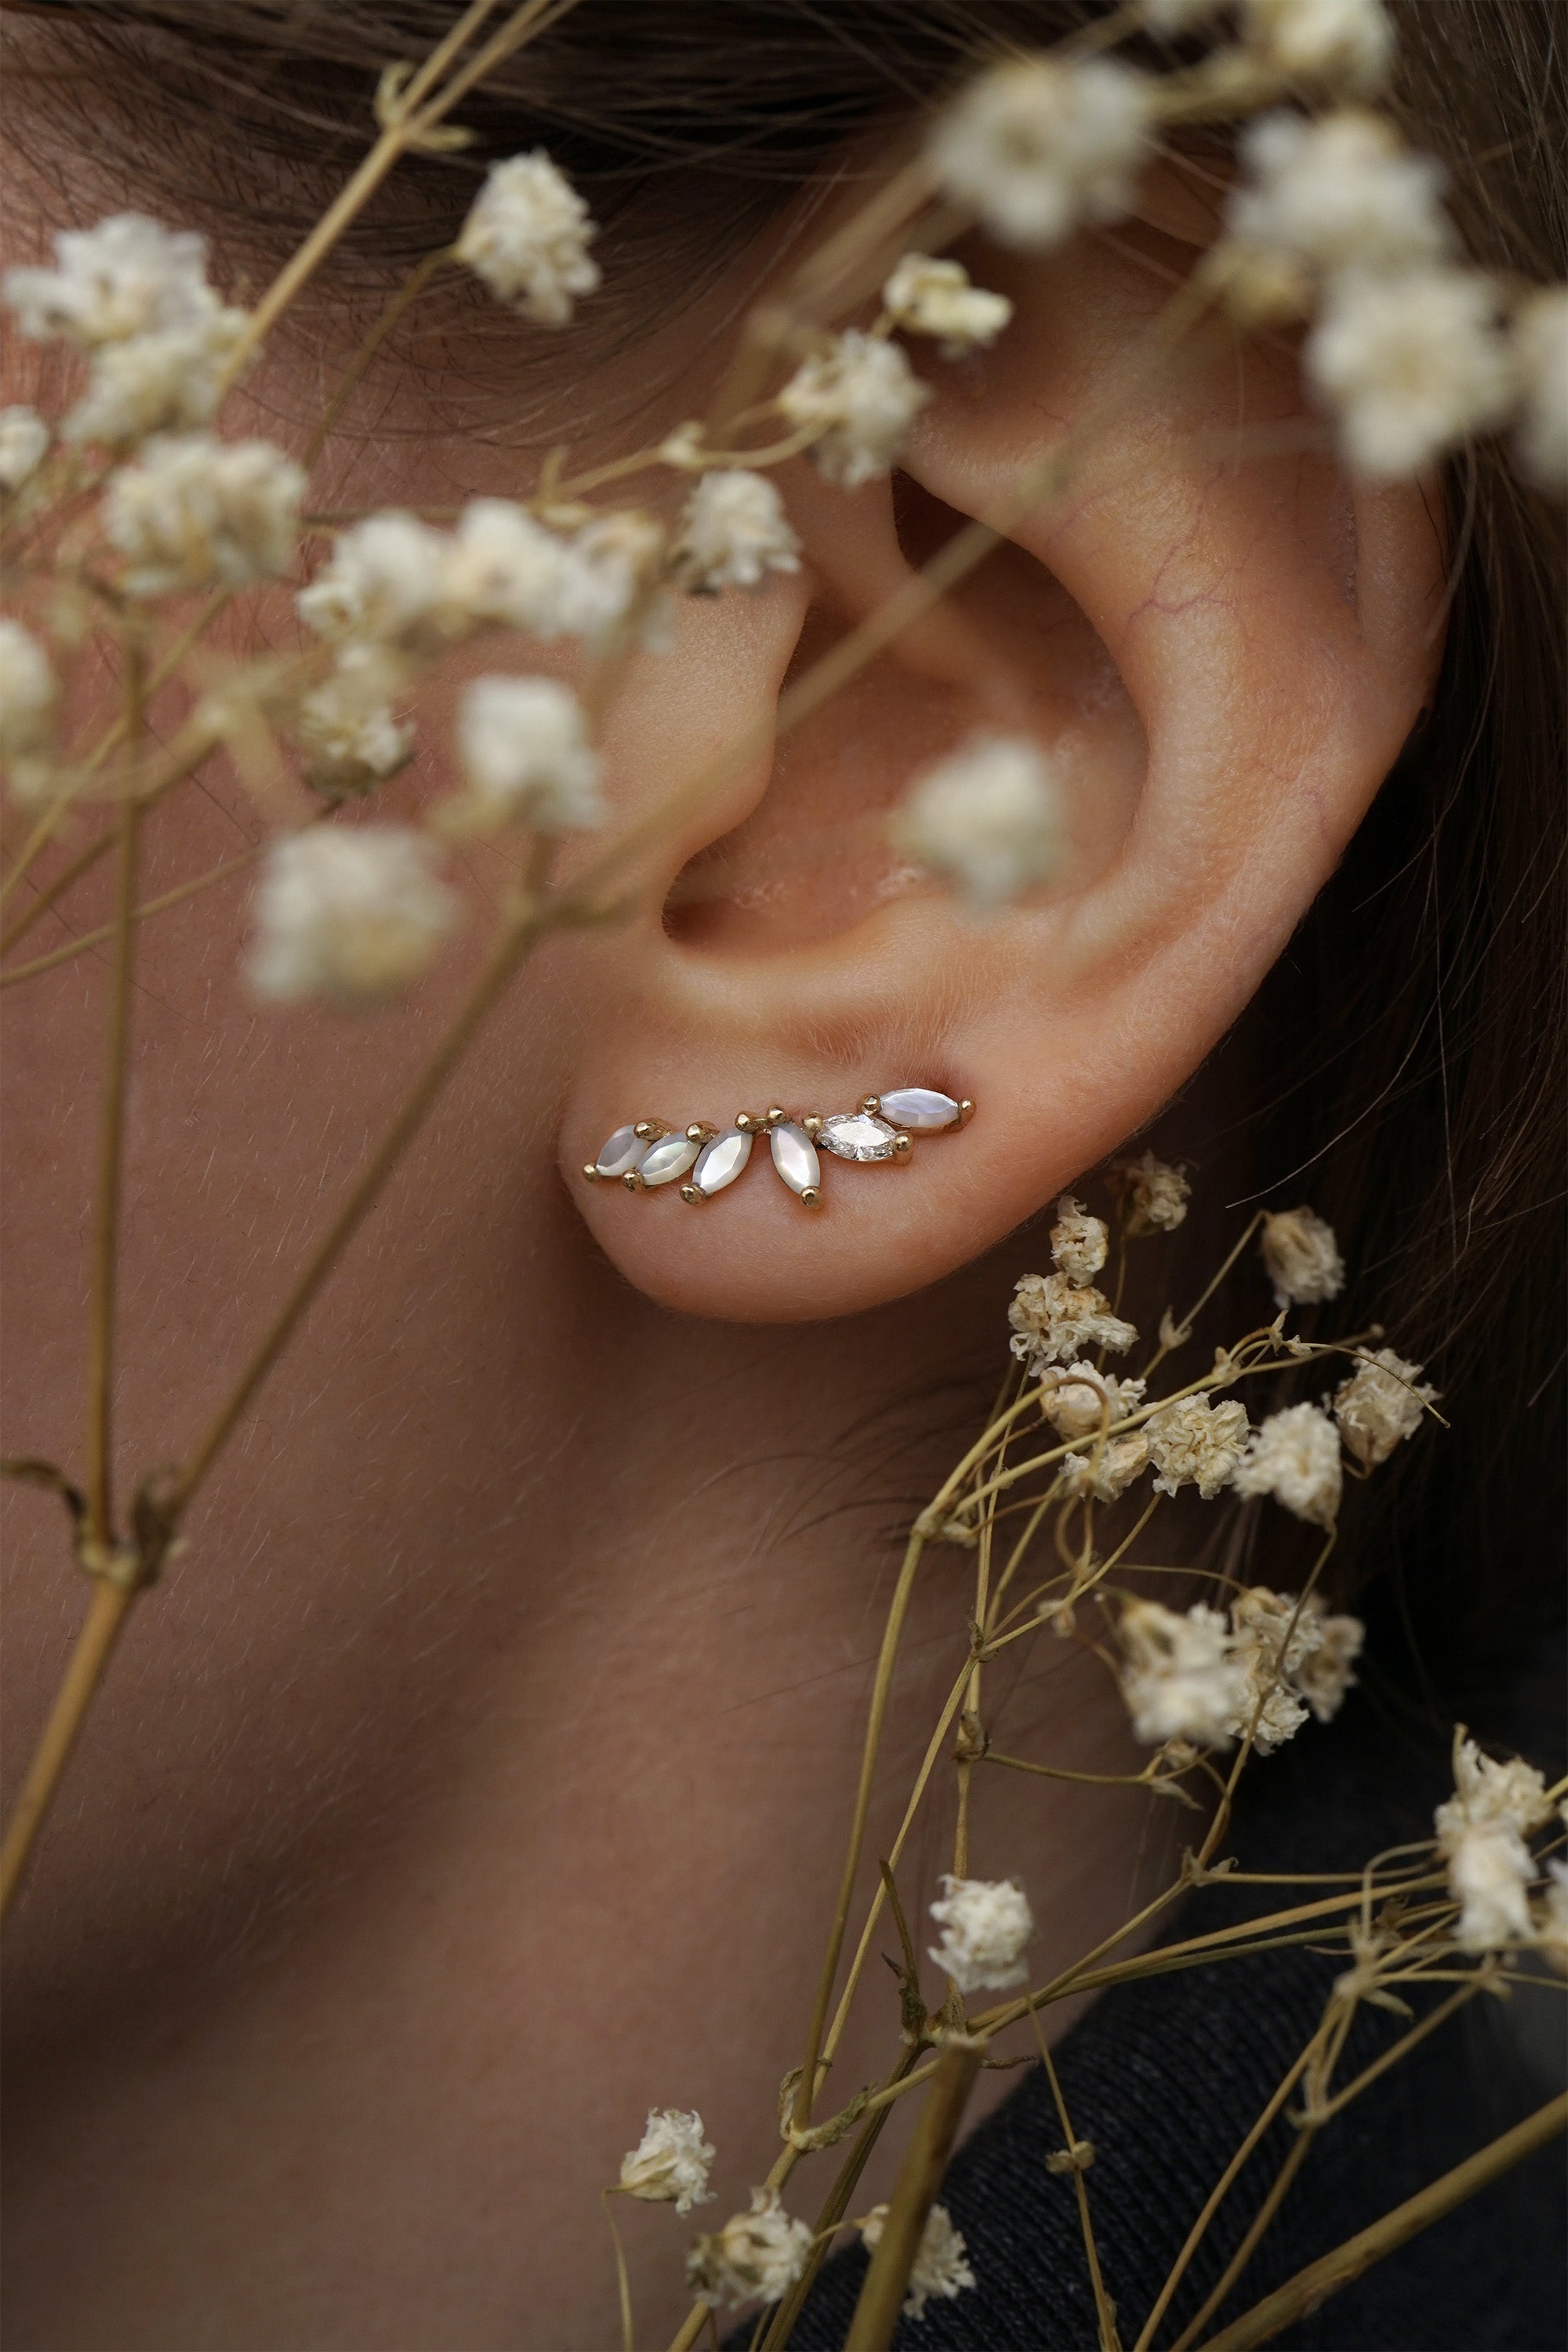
(1221, 648)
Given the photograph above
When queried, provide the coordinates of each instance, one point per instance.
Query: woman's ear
(1220, 644)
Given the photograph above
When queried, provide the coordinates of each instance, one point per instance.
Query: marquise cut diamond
(856, 1135)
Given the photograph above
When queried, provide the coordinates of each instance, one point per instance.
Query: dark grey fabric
(1166, 2077)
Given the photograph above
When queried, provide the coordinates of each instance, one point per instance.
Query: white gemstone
(795, 1158)
(668, 1159)
(721, 1162)
(856, 1135)
(921, 1108)
(623, 1150)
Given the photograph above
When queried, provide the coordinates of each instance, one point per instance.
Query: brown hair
(1419, 1015)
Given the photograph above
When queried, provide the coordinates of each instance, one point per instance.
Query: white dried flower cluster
(941, 2266)
(1179, 1680)
(925, 295)
(137, 298)
(1195, 1442)
(24, 439)
(988, 819)
(1340, 193)
(859, 399)
(347, 728)
(986, 1924)
(1381, 1405)
(1339, 45)
(1078, 1242)
(1083, 1401)
(1411, 365)
(733, 532)
(1301, 1258)
(669, 2164)
(1295, 1658)
(1541, 355)
(1108, 1471)
(527, 237)
(1055, 1320)
(352, 914)
(1037, 145)
(1481, 1830)
(29, 692)
(191, 512)
(1156, 1194)
(527, 757)
(1295, 1457)
(758, 2253)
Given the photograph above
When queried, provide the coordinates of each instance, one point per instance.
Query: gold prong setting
(700, 1160)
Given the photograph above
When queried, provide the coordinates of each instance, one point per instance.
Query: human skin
(477, 1778)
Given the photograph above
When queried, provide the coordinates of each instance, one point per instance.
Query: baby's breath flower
(1410, 366)
(526, 756)
(988, 818)
(1339, 45)
(1491, 1793)
(941, 2266)
(126, 277)
(1109, 1471)
(28, 693)
(1337, 194)
(191, 511)
(1302, 1257)
(926, 297)
(1541, 355)
(761, 2252)
(1054, 1321)
(386, 580)
(1034, 146)
(352, 914)
(347, 728)
(165, 381)
(1180, 1681)
(1194, 1442)
(1156, 1193)
(502, 565)
(669, 2163)
(608, 584)
(1272, 1650)
(733, 532)
(1295, 1457)
(1379, 1405)
(859, 398)
(1083, 1401)
(1490, 1871)
(23, 437)
(528, 237)
(1324, 1675)
(986, 1924)
(1078, 1242)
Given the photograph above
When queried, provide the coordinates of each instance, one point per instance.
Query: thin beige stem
(1103, 2310)
(1185, 1325)
(412, 287)
(106, 1614)
(886, 2280)
(623, 2283)
(72, 948)
(1398, 2050)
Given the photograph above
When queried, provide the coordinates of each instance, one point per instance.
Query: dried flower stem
(1319, 2280)
(623, 2284)
(1468, 1989)
(106, 1614)
(414, 284)
(1104, 2311)
(72, 948)
(886, 2280)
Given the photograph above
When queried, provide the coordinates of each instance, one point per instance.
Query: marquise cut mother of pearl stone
(856, 1135)
(663, 1162)
(794, 1157)
(622, 1151)
(720, 1161)
(921, 1108)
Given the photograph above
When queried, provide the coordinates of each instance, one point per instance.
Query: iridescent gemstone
(623, 1150)
(671, 1157)
(856, 1135)
(920, 1107)
(794, 1157)
(720, 1161)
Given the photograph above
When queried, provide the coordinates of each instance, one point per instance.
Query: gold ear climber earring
(646, 1154)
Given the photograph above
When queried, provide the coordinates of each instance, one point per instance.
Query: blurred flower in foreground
(941, 2266)
(761, 2252)
(528, 237)
(988, 819)
(352, 914)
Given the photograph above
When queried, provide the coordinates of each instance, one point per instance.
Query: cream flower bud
(1107, 1472)
(928, 297)
(1339, 45)
(988, 818)
(1034, 146)
(526, 756)
(1180, 1681)
(1054, 1321)
(353, 915)
(1082, 1400)
(192, 510)
(986, 1924)
(1156, 1194)
(126, 277)
(528, 237)
(386, 580)
(161, 382)
(733, 532)
(502, 565)
(1489, 1873)
(611, 566)
(1492, 1793)
(1341, 193)
(347, 728)
(1295, 1457)
(1410, 366)
(1380, 1405)
(1078, 1242)
(669, 2164)
(1541, 355)
(941, 2266)
(23, 437)
(1194, 1442)
(1301, 1258)
(859, 399)
(759, 2253)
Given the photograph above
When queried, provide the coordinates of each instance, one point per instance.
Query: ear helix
(646, 1154)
